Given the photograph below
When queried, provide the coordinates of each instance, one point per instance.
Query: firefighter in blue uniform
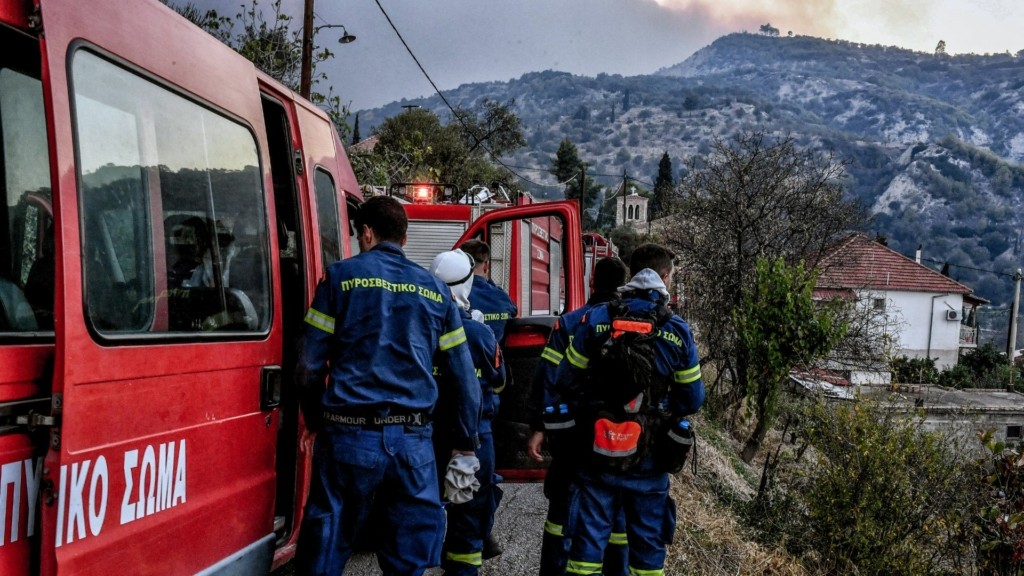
(609, 274)
(641, 490)
(376, 324)
(470, 522)
(496, 309)
(486, 296)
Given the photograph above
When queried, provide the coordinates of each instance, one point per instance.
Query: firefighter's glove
(460, 481)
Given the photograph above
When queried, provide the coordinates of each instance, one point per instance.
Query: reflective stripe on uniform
(452, 339)
(552, 528)
(617, 538)
(551, 355)
(642, 572)
(473, 558)
(576, 359)
(577, 567)
(688, 376)
(320, 320)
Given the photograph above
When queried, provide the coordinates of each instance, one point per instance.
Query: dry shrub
(710, 539)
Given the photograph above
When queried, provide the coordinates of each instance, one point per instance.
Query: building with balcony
(923, 313)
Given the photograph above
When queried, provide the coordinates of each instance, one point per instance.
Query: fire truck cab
(167, 212)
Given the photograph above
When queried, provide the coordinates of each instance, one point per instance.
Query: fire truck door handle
(270, 387)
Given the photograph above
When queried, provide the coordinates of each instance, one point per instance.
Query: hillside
(934, 144)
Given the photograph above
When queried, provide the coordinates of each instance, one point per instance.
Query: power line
(455, 115)
(459, 118)
(934, 261)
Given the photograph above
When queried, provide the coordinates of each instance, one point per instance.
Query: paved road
(518, 527)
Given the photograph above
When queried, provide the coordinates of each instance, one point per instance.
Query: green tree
(493, 127)
(355, 131)
(567, 167)
(754, 197)
(626, 239)
(415, 145)
(914, 370)
(940, 48)
(273, 46)
(664, 184)
(781, 328)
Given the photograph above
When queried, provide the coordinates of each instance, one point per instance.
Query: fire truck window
(174, 233)
(540, 289)
(327, 217)
(26, 220)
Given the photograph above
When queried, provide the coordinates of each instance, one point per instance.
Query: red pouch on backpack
(616, 443)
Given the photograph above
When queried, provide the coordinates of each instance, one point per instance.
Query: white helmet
(455, 268)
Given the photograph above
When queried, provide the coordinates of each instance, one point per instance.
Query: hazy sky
(460, 41)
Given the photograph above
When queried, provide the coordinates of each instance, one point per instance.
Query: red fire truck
(167, 211)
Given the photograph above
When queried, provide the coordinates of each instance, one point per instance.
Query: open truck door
(537, 257)
(160, 457)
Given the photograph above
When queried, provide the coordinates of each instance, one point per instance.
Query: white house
(924, 313)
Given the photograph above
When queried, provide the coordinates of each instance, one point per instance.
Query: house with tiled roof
(364, 146)
(924, 314)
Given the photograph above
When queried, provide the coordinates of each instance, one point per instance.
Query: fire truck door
(537, 257)
(162, 445)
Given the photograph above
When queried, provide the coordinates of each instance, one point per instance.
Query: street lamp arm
(308, 31)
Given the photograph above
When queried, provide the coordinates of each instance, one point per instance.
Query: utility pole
(583, 188)
(625, 183)
(306, 73)
(1011, 340)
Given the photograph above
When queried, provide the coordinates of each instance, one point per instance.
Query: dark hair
(609, 274)
(385, 216)
(653, 256)
(478, 249)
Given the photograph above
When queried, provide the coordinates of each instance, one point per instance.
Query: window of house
(174, 233)
(879, 303)
(1013, 432)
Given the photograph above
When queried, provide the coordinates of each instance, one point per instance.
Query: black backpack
(623, 387)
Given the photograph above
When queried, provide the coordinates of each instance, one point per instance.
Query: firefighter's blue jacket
(489, 366)
(375, 365)
(542, 393)
(554, 554)
(642, 493)
(483, 348)
(494, 303)
(676, 356)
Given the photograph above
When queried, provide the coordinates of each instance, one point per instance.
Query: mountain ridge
(933, 143)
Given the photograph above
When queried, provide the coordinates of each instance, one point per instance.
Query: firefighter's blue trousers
(469, 523)
(354, 468)
(554, 551)
(650, 520)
